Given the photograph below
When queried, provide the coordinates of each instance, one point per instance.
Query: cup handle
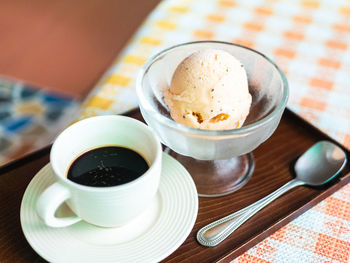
(49, 201)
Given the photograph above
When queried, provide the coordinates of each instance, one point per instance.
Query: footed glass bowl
(220, 162)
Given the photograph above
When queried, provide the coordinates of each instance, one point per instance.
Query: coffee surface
(107, 166)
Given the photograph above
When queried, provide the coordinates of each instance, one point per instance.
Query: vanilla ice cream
(209, 90)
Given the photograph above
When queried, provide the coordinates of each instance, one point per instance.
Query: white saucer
(151, 237)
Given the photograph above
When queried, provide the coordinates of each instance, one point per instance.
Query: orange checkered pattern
(310, 41)
(322, 234)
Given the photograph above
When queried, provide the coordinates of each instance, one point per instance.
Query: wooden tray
(274, 160)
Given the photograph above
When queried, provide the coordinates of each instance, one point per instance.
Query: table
(12, 242)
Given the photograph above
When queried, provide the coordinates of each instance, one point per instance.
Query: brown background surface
(65, 45)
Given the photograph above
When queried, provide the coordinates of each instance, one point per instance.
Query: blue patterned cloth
(30, 118)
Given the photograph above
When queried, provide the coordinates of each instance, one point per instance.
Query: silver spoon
(318, 165)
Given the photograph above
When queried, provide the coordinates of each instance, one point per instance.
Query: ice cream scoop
(209, 90)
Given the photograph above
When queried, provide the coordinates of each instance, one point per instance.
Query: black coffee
(107, 166)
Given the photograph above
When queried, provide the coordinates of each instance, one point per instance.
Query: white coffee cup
(103, 206)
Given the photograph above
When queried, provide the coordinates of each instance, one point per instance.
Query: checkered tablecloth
(310, 41)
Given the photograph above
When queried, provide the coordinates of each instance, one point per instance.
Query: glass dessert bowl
(219, 161)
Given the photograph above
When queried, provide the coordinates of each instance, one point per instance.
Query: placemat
(309, 40)
(30, 117)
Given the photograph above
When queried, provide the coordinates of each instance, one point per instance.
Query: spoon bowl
(317, 166)
(320, 163)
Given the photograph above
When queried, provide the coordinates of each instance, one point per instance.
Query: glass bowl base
(217, 177)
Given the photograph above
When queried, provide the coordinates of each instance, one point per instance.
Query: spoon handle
(215, 232)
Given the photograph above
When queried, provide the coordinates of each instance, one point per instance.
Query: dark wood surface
(65, 45)
(274, 160)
